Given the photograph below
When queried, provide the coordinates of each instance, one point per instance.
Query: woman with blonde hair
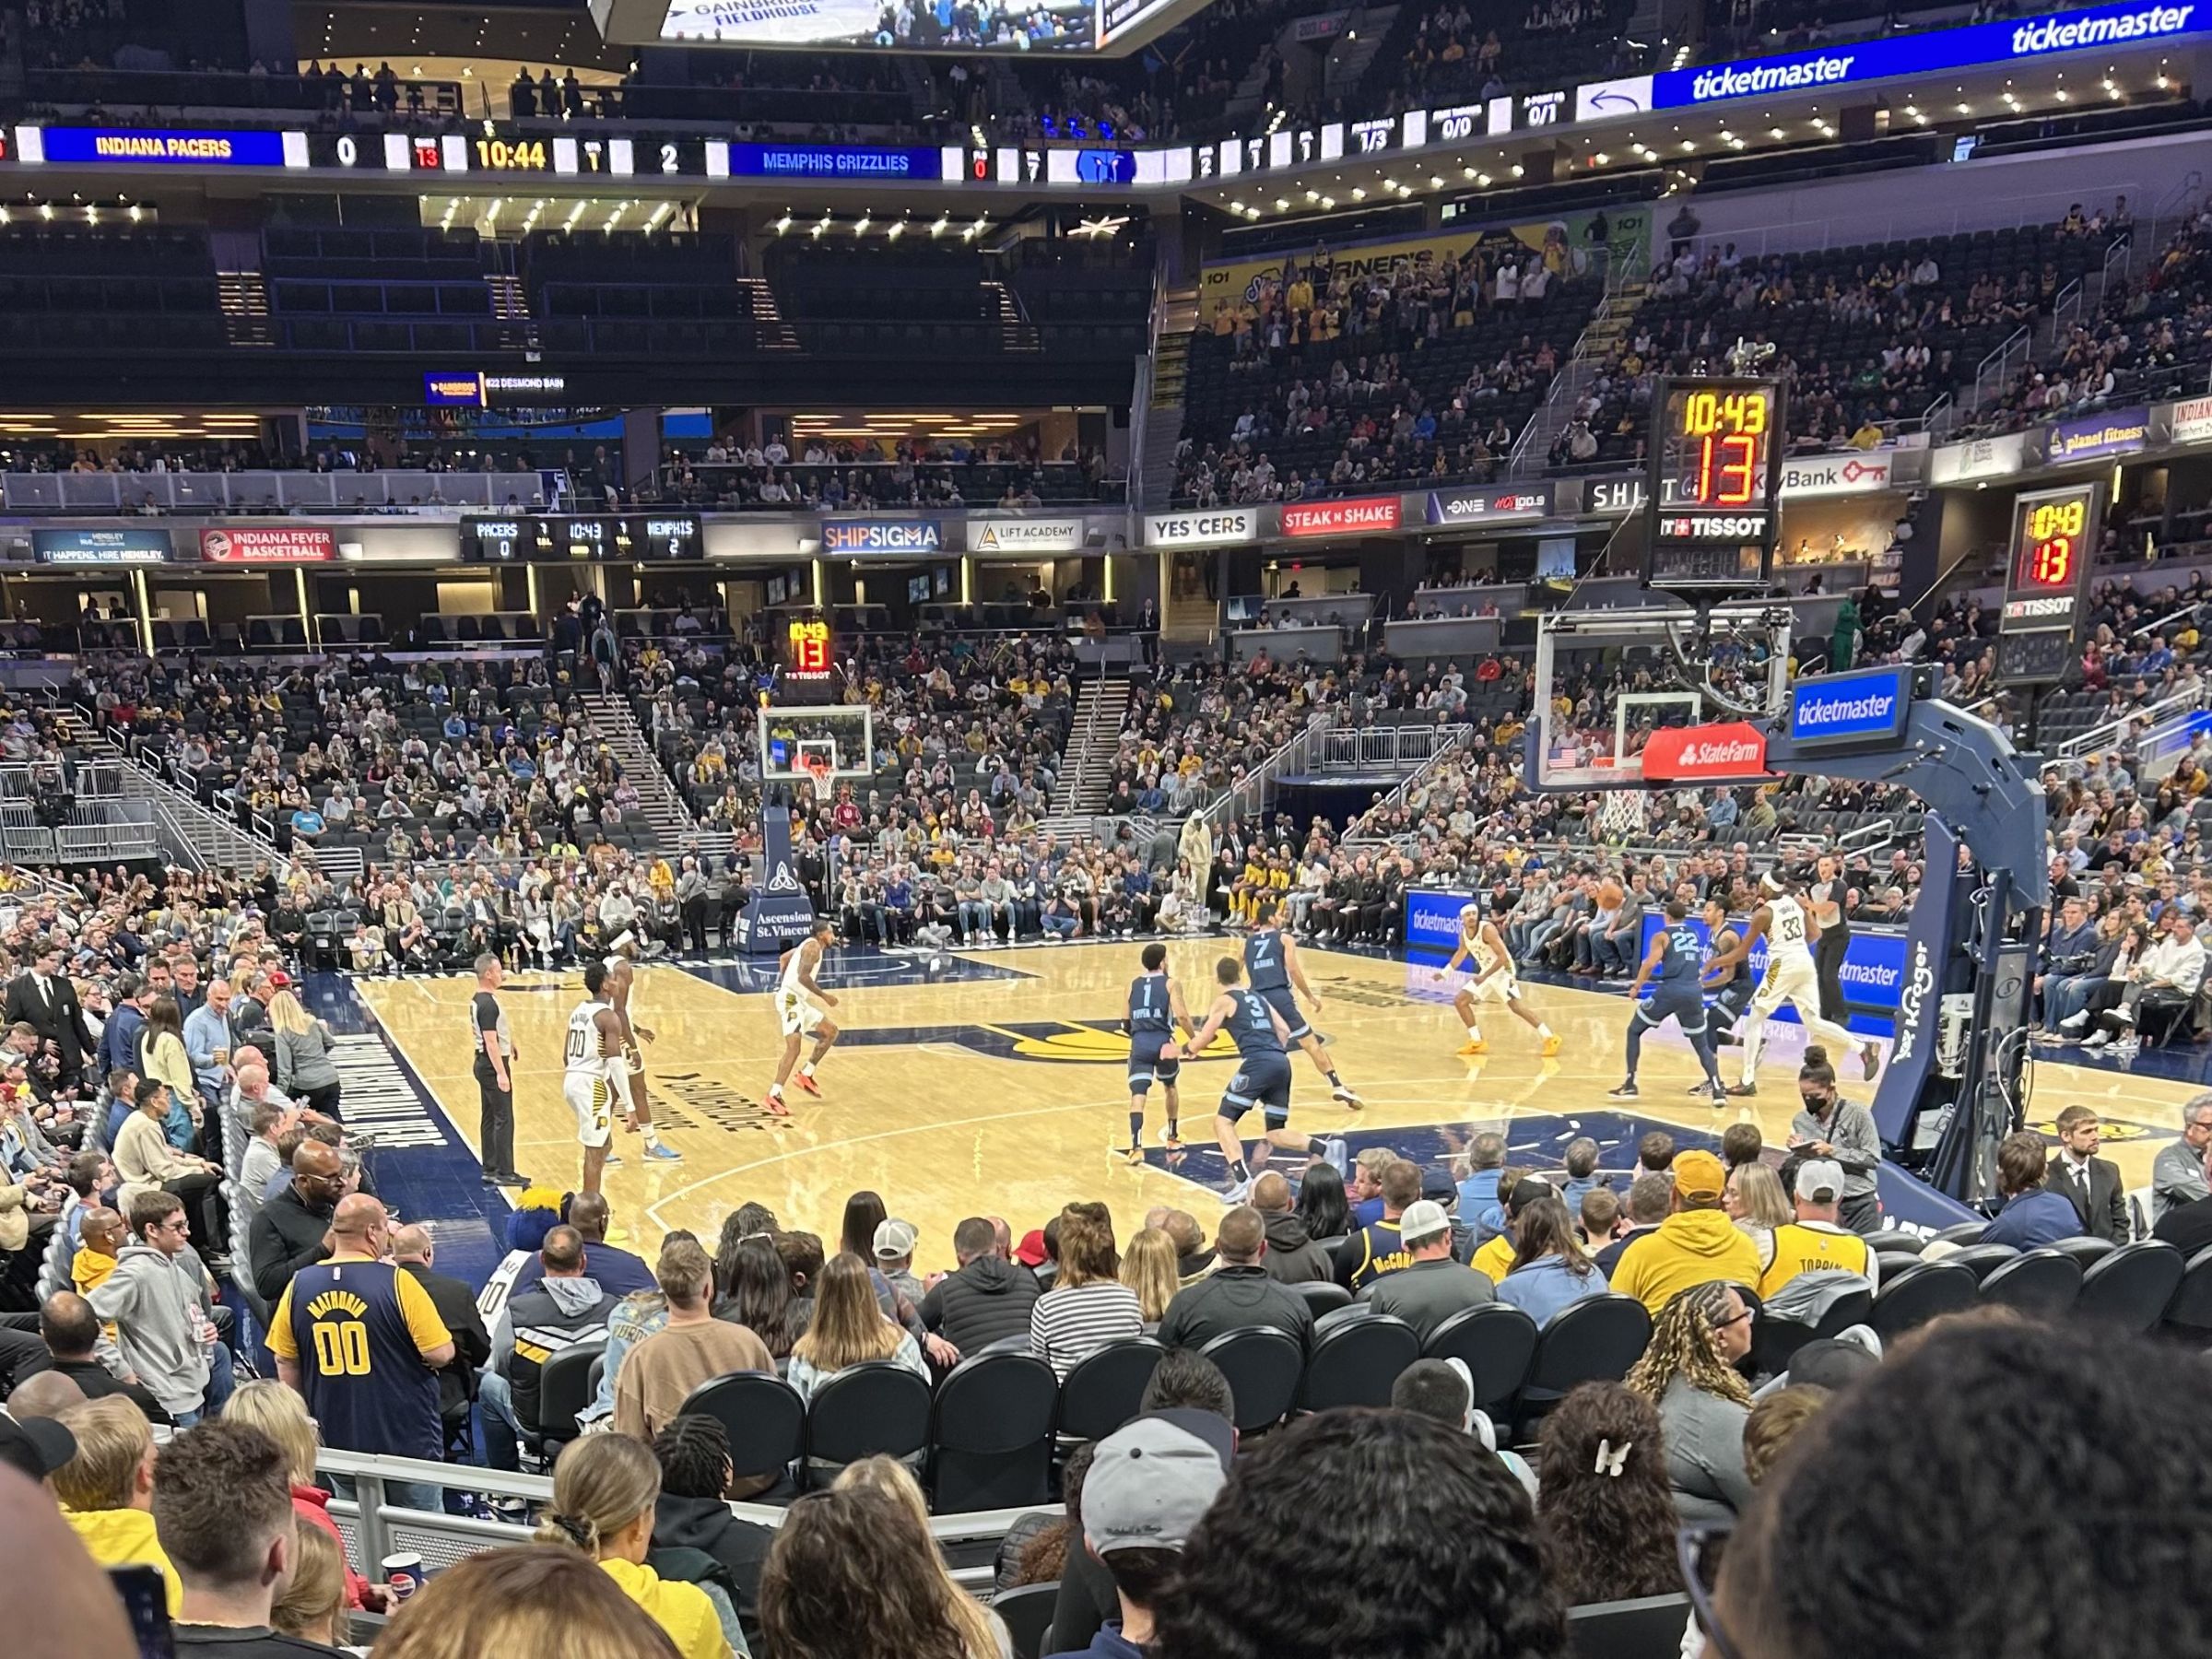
(1088, 1306)
(302, 1060)
(605, 1487)
(849, 1329)
(312, 1606)
(1689, 1372)
(986, 1633)
(279, 1413)
(534, 1601)
(1755, 1203)
(1148, 1268)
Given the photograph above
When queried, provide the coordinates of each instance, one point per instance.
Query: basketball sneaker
(661, 1152)
(807, 1083)
(1553, 1044)
(1626, 1092)
(1473, 1046)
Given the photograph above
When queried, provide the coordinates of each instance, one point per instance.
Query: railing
(273, 491)
(1454, 740)
(1250, 800)
(192, 835)
(1581, 364)
(2112, 732)
(1360, 748)
(1995, 370)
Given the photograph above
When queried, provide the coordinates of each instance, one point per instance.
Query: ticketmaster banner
(1888, 57)
(1873, 972)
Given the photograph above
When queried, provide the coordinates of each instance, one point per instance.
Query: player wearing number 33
(1786, 923)
(360, 1339)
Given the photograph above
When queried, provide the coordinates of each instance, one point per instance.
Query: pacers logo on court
(687, 1100)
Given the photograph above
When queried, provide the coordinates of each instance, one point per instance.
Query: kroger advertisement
(1887, 57)
(1873, 974)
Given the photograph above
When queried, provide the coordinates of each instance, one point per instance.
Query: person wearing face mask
(1832, 1127)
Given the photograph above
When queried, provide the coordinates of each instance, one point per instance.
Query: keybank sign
(1883, 57)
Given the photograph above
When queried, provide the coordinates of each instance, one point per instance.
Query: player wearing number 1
(1156, 1013)
(362, 1342)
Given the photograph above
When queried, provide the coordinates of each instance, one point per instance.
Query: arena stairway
(1086, 769)
(190, 835)
(675, 831)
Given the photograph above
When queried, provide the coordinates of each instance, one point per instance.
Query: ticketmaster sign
(1887, 57)
(1851, 708)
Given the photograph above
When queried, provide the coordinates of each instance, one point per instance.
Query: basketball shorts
(1790, 979)
(593, 1100)
(797, 1013)
(1683, 1004)
(1284, 1003)
(1145, 1066)
(1499, 988)
(1262, 1080)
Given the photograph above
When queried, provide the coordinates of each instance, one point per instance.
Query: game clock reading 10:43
(1711, 502)
(809, 654)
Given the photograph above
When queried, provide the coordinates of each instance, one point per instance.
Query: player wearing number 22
(362, 1342)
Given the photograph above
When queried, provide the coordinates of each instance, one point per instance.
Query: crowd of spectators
(845, 474)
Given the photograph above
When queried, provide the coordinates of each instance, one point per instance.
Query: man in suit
(45, 1000)
(2092, 1183)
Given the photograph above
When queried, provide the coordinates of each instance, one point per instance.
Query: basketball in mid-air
(1610, 893)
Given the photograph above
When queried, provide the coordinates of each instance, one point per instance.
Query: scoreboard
(538, 538)
(2054, 536)
(1710, 511)
(805, 657)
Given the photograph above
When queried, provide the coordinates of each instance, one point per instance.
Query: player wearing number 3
(1154, 1014)
(1786, 923)
(1494, 981)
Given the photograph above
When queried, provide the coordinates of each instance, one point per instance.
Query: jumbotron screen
(1111, 26)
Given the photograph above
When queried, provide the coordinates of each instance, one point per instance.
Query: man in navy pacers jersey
(1156, 1013)
(361, 1341)
(1671, 966)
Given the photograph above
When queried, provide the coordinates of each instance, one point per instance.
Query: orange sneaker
(807, 1083)
(1474, 1045)
(1553, 1044)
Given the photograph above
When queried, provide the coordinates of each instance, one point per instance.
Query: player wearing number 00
(1261, 1080)
(593, 1071)
(1494, 981)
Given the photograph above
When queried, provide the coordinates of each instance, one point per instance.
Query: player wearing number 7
(1271, 962)
(1494, 981)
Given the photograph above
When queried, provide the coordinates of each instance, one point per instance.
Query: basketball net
(817, 767)
(1623, 813)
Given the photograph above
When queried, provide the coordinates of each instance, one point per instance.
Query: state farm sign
(267, 543)
(1734, 748)
(1359, 517)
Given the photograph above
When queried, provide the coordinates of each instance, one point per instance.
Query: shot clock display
(1710, 510)
(2054, 536)
(806, 658)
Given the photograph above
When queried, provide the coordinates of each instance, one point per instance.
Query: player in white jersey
(799, 1005)
(593, 1071)
(1494, 981)
(1786, 923)
(637, 1110)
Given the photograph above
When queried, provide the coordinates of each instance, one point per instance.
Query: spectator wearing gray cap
(1432, 1286)
(894, 1245)
(1150, 1485)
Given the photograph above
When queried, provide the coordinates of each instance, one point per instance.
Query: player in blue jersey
(1263, 1079)
(1154, 1014)
(1671, 968)
(1271, 962)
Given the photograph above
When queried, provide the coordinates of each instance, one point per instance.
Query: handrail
(1260, 782)
(1461, 736)
(2102, 737)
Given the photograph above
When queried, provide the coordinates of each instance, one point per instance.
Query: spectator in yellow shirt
(604, 1487)
(107, 1489)
(1695, 1245)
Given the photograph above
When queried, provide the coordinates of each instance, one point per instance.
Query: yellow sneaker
(1133, 1157)
(1474, 1045)
(1553, 1044)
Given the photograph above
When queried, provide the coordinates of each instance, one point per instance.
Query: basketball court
(993, 1082)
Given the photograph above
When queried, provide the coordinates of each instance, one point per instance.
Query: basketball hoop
(1623, 813)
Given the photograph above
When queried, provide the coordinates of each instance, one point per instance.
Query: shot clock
(1710, 510)
(2054, 536)
(806, 658)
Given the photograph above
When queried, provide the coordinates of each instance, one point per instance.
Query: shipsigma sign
(1892, 57)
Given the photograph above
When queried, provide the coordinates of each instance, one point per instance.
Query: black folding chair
(1028, 1613)
(2085, 1250)
(2131, 1287)
(991, 1434)
(1262, 1365)
(1496, 1341)
(2189, 1311)
(1982, 1259)
(1647, 1628)
(764, 1417)
(1103, 1390)
(2043, 1284)
(564, 1388)
(1357, 1362)
(1596, 1340)
(1323, 1297)
(875, 1408)
(1918, 1295)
